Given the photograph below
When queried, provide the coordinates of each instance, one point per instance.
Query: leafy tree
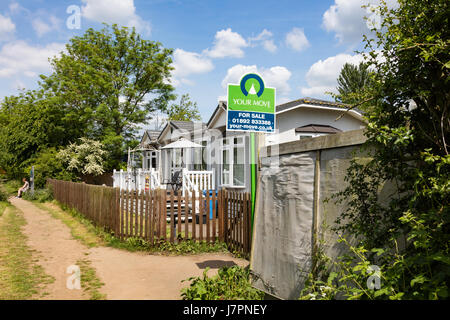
(186, 110)
(354, 84)
(408, 237)
(47, 164)
(29, 123)
(111, 80)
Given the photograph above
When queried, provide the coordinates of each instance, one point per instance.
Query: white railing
(197, 181)
(139, 180)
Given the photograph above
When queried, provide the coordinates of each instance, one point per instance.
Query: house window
(233, 162)
(151, 160)
(201, 157)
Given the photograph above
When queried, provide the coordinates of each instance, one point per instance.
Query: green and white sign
(251, 105)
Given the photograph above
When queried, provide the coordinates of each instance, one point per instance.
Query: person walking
(24, 188)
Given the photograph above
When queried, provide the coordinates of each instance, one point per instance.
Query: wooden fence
(161, 215)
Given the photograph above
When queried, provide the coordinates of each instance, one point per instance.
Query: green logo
(251, 95)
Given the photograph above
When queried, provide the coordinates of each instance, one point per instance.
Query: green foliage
(102, 87)
(231, 283)
(355, 83)
(186, 110)
(87, 157)
(3, 195)
(105, 80)
(47, 164)
(189, 247)
(29, 124)
(407, 235)
(39, 195)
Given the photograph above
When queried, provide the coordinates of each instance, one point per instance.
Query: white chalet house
(222, 159)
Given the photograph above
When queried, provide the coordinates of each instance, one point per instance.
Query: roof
(153, 134)
(317, 128)
(314, 102)
(188, 126)
(292, 104)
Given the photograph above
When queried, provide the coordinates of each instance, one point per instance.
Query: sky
(297, 46)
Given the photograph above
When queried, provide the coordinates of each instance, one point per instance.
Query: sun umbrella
(182, 143)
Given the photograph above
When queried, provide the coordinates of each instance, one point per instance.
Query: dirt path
(56, 247)
(127, 275)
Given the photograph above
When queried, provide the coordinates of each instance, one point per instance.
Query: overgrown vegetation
(230, 283)
(407, 237)
(39, 195)
(20, 277)
(90, 283)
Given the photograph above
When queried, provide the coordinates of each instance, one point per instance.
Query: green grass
(3, 205)
(21, 277)
(90, 283)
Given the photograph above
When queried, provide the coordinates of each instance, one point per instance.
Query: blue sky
(298, 46)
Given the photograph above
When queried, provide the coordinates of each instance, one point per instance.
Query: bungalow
(221, 159)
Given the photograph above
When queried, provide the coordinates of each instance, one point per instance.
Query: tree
(408, 134)
(186, 110)
(29, 123)
(354, 83)
(87, 157)
(111, 80)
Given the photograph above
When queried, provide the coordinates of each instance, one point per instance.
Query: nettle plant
(407, 236)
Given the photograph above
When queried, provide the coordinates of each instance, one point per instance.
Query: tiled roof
(153, 134)
(318, 128)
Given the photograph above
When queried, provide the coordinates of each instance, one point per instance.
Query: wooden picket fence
(162, 215)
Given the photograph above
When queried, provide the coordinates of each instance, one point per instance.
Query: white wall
(302, 116)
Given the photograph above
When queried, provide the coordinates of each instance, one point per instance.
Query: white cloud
(21, 59)
(121, 12)
(346, 19)
(227, 44)
(276, 77)
(42, 27)
(7, 27)
(297, 40)
(187, 63)
(321, 76)
(264, 38)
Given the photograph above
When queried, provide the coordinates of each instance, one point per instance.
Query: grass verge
(84, 230)
(20, 277)
(90, 283)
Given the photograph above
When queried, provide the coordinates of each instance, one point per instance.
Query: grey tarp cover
(282, 246)
(282, 242)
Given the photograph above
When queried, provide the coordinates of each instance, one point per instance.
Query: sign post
(251, 108)
(32, 180)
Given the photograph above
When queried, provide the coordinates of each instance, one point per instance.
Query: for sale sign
(251, 105)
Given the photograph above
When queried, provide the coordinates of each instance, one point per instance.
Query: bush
(231, 283)
(40, 195)
(48, 165)
(3, 195)
(12, 186)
